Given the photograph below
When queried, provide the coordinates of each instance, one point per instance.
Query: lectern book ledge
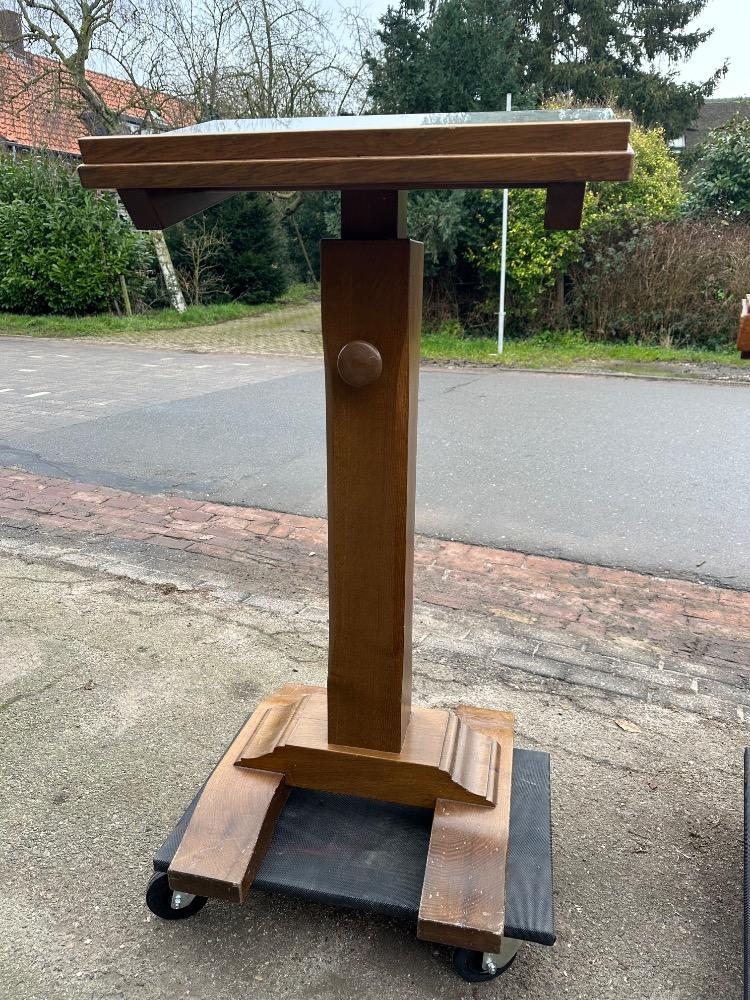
(164, 178)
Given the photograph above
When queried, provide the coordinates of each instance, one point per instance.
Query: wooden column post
(371, 289)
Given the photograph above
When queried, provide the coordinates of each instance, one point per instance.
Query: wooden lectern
(361, 735)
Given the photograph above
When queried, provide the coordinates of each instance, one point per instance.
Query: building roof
(40, 109)
(715, 112)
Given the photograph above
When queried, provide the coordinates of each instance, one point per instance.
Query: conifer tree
(464, 55)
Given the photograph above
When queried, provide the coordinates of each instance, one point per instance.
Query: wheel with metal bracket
(482, 966)
(168, 904)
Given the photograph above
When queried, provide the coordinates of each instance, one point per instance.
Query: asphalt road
(646, 474)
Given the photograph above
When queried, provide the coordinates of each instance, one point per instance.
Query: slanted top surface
(367, 151)
(352, 122)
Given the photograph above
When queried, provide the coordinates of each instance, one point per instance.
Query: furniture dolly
(320, 781)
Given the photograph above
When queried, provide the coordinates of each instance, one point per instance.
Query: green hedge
(62, 248)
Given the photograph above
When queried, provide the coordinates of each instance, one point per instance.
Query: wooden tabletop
(503, 149)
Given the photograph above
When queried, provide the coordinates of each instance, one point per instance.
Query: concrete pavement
(648, 475)
(126, 666)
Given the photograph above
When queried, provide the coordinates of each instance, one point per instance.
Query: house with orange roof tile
(41, 109)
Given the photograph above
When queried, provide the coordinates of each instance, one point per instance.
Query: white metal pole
(503, 260)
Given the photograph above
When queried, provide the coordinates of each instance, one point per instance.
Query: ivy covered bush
(612, 213)
(62, 248)
(720, 184)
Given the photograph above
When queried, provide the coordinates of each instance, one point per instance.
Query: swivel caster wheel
(482, 966)
(168, 904)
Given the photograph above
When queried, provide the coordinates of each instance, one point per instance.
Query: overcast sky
(730, 20)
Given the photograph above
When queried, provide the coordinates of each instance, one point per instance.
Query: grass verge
(106, 324)
(563, 350)
(203, 328)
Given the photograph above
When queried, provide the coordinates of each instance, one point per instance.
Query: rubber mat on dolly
(371, 855)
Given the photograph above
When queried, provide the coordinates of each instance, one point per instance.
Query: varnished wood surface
(743, 337)
(444, 755)
(515, 137)
(564, 206)
(374, 215)
(230, 829)
(163, 208)
(463, 896)
(371, 290)
(486, 171)
(359, 363)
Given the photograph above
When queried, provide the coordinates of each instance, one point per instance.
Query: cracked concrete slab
(124, 671)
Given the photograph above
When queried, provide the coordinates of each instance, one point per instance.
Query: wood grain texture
(486, 171)
(564, 206)
(463, 896)
(516, 137)
(371, 290)
(443, 754)
(359, 363)
(373, 215)
(230, 829)
(163, 208)
(743, 336)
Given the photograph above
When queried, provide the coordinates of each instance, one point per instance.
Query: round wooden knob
(359, 363)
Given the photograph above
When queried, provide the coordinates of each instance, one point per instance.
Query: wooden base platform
(341, 851)
(457, 763)
(443, 755)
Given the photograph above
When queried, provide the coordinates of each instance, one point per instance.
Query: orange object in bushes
(743, 337)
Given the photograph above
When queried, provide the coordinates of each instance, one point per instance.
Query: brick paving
(292, 330)
(691, 621)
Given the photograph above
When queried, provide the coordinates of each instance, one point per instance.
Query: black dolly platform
(369, 855)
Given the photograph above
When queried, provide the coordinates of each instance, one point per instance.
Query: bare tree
(264, 59)
(199, 270)
(261, 58)
(75, 35)
(199, 60)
